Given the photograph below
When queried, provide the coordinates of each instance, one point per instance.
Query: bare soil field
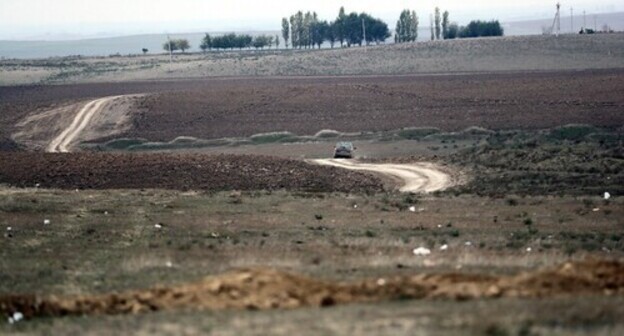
(177, 172)
(244, 107)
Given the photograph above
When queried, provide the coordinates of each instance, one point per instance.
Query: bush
(476, 28)
(414, 133)
(571, 132)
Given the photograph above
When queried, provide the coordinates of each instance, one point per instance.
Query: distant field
(132, 44)
(217, 108)
(521, 53)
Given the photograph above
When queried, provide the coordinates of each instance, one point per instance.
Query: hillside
(522, 53)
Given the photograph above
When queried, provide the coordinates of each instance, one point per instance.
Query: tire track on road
(61, 144)
(417, 177)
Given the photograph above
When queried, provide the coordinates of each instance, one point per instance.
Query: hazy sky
(54, 19)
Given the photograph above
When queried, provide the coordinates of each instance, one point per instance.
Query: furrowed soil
(215, 108)
(177, 172)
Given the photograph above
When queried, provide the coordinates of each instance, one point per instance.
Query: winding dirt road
(62, 142)
(417, 177)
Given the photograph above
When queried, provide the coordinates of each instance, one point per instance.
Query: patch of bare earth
(270, 289)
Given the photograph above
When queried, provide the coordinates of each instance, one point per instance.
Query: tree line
(242, 41)
(306, 30)
(442, 28)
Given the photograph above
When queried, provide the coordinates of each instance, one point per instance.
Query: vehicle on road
(344, 150)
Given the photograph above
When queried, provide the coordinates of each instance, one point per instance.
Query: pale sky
(57, 19)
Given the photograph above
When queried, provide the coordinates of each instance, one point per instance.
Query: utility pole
(556, 26)
(364, 33)
(170, 50)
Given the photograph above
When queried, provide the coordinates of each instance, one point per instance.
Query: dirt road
(61, 143)
(417, 177)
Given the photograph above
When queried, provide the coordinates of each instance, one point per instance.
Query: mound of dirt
(176, 171)
(271, 289)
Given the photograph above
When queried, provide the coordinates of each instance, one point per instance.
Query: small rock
(9, 228)
(421, 251)
(528, 249)
(37, 185)
(412, 209)
(439, 226)
(607, 195)
(355, 206)
(468, 243)
(158, 226)
(444, 247)
(169, 264)
(46, 222)
(105, 213)
(381, 282)
(596, 209)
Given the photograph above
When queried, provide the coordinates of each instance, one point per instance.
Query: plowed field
(176, 171)
(214, 108)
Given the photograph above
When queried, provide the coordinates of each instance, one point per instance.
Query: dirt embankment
(271, 289)
(176, 171)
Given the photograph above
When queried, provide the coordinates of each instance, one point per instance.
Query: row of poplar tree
(307, 31)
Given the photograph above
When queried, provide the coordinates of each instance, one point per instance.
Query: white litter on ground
(607, 195)
(9, 228)
(468, 243)
(46, 222)
(444, 247)
(421, 251)
(528, 249)
(355, 206)
(381, 282)
(16, 317)
(412, 209)
(169, 264)
(158, 226)
(596, 209)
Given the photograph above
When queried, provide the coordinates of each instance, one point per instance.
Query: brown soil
(271, 289)
(176, 171)
(223, 107)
